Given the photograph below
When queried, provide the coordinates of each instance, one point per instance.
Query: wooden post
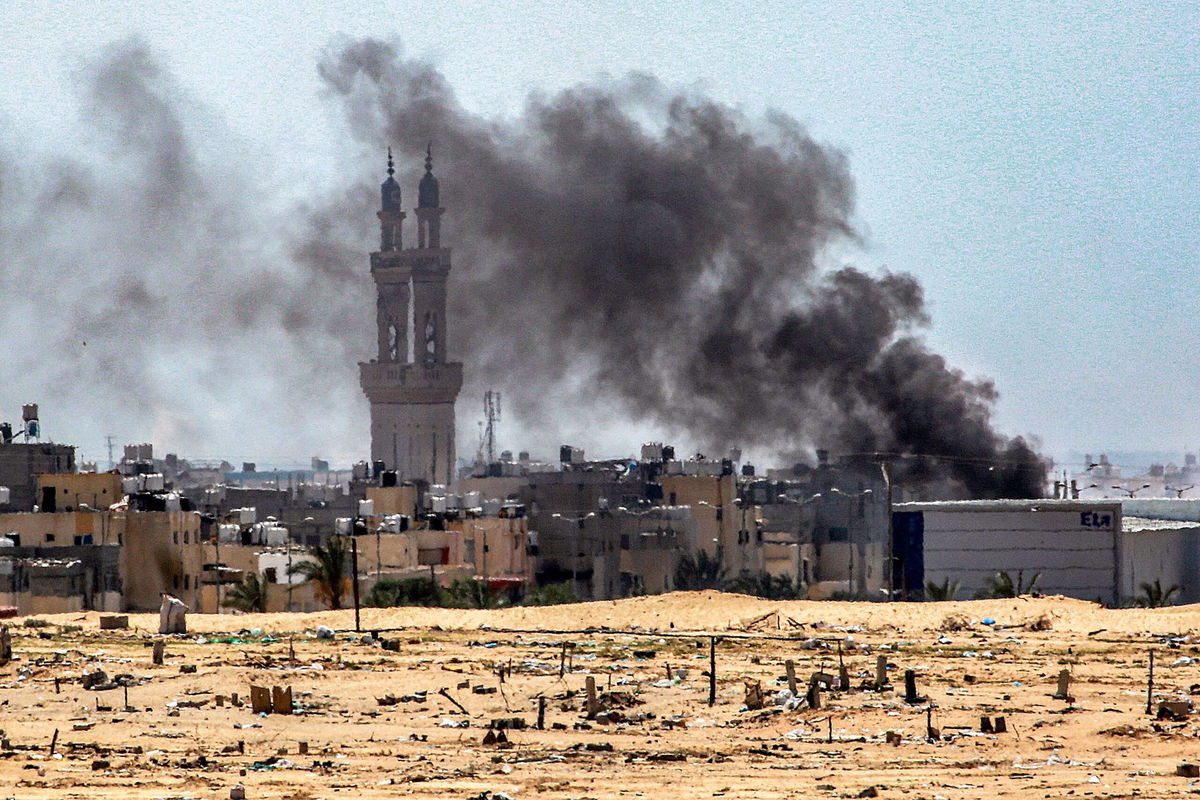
(843, 673)
(829, 721)
(354, 582)
(712, 670)
(790, 666)
(126, 688)
(541, 723)
(54, 741)
(57, 688)
(1150, 687)
(159, 651)
(593, 705)
(562, 661)
(303, 748)
(881, 678)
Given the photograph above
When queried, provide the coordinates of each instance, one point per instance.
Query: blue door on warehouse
(908, 554)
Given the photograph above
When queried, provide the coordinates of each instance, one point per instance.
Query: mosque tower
(411, 385)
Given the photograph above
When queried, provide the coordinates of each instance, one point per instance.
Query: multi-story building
(22, 462)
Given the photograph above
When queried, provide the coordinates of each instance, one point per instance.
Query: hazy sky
(1034, 164)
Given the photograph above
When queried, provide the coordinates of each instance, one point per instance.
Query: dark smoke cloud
(663, 252)
(149, 289)
(622, 252)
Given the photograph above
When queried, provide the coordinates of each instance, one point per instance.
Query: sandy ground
(181, 736)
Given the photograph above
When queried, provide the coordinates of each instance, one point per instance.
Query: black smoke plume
(622, 243)
(622, 252)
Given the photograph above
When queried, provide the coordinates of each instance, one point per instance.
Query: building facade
(411, 384)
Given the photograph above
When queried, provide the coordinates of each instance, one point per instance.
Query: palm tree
(1154, 596)
(938, 593)
(699, 570)
(390, 592)
(470, 593)
(250, 595)
(772, 587)
(327, 569)
(1003, 585)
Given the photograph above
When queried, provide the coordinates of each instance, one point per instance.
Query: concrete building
(22, 462)
(161, 552)
(70, 491)
(58, 580)
(1163, 550)
(153, 551)
(411, 383)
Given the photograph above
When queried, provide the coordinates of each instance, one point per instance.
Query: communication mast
(491, 412)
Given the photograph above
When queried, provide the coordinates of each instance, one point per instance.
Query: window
(175, 536)
(49, 537)
(187, 582)
(394, 342)
(185, 537)
(839, 535)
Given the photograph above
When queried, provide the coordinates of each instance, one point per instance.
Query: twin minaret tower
(411, 385)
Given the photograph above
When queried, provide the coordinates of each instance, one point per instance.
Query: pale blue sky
(1034, 164)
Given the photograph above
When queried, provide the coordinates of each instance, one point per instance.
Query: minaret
(411, 385)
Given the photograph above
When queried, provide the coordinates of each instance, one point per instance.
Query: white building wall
(1076, 549)
(1170, 556)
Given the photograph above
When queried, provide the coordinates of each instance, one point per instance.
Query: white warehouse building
(1083, 549)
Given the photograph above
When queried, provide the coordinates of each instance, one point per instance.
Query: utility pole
(108, 440)
(891, 534)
